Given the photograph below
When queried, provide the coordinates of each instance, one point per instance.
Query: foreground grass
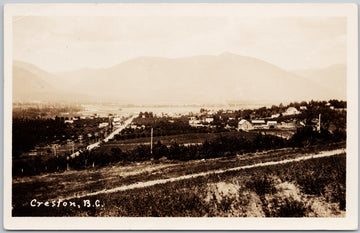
(73, 183)
(313, 188)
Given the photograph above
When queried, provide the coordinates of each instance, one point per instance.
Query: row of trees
(219, 147)
(163, 126)
(28, 133)
(34, 111)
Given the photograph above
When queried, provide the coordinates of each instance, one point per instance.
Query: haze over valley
(212, 79)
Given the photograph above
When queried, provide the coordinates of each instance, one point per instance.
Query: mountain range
(206, 79)
(332, 78)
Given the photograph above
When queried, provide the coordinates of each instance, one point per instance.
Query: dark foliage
(221, 146)
(30, 132)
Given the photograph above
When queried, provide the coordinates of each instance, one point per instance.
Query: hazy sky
(70, 43)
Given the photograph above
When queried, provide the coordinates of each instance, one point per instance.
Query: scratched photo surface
(179, 116)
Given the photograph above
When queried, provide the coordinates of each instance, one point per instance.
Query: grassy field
(193, 138)
(278, 191)
(304, 178)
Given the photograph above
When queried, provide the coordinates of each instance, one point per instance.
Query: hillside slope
(333, 78)
(191, 80)
(31, 83)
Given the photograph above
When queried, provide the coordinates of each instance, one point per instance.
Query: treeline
(220, 147)
(160, 131)
(163, 126)
(34, 111)
(28, 133)
(311, 106)
(307, 136)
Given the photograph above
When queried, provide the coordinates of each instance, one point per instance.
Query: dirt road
(110, 136)
(191, 176)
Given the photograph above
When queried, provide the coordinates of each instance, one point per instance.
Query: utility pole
(151, 143)
(319, 127)
(54, 147)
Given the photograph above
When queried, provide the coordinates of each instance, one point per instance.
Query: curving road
(191, 176)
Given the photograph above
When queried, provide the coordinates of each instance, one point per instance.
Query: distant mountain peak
(196, 79)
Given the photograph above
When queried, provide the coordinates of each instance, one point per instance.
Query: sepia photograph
(241, 114)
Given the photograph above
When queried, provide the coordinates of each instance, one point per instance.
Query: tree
(175, 151)
(160, 150)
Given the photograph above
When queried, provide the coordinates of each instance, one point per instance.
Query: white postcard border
(96, 223)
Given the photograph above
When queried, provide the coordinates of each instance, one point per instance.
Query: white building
(195, 123)
(209, 119)
(116, 121)
(245, 125)
(103, 124)
(291, 111)
(259, 124)
(271, 124)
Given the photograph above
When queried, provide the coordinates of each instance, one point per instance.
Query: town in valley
(93, 149)
(180, 111)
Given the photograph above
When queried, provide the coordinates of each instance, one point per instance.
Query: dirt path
(121, 128)
(191, 176)
(110, 136)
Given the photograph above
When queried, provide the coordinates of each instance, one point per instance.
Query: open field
(72, 184)
(189, 138)
(287, 134)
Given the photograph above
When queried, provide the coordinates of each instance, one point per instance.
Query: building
(259, 124)
(209, 119)
(192, 118)
(116, 121)
(103, 125)
(287, 125)
(245, 125)
(195, 123)
(271, 124)
(291, 111)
